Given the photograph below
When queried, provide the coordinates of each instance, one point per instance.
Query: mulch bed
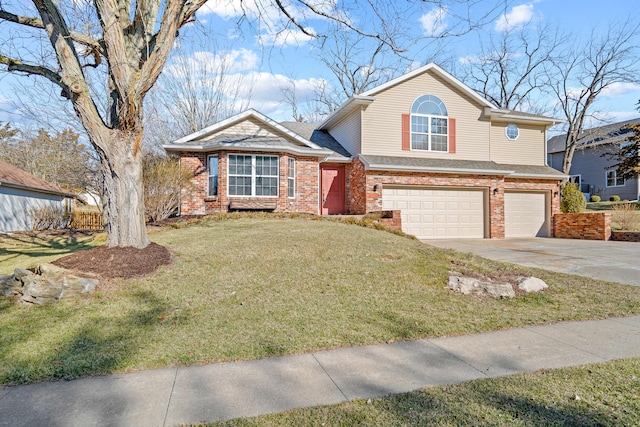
(117, 262)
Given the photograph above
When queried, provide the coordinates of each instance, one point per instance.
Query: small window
(613, 180)
(291, 178)
(512, 132)
(577, 180)
(213, 176)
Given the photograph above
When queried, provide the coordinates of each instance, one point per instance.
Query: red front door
(333, 190)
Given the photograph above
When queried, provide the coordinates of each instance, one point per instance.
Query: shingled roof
(11, 176)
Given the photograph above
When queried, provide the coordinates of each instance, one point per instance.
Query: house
(590, 167)
(424, 143)
(20, 192)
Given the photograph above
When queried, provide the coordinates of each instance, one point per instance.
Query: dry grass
(603, 394)
(626, 216)
(256, 287)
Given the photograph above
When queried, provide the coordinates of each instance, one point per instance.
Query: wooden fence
(86, 220)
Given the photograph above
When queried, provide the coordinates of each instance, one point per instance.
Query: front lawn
(253, 288)
(604, 394)
(25, 249)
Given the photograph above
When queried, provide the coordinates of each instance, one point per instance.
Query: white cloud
(619, 89)
(231, 61)
(518, 17)
(434, 22)
(288, 37)
(267, 11)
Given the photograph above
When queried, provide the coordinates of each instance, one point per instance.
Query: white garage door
(438, 213)
(525, 214)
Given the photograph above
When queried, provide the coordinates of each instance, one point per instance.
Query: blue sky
(262, 62)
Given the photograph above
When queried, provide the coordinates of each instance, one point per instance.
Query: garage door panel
(525, 214)
(438, 213)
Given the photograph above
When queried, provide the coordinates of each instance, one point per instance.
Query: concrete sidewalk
(169, 397)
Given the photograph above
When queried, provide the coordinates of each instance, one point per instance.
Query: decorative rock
(470, 285)
(8, 285)
(48, 284)
(532, 284)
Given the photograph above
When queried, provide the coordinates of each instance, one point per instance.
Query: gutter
(280, 149)
(37, 189)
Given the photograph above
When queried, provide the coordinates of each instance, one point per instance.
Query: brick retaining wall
(626, 236)
(583, 225)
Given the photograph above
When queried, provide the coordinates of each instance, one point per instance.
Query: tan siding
(382, 120)
(252, 128)
(528, 149)
(348, 133)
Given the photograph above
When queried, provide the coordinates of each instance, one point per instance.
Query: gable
(247, 131)
(382, 119)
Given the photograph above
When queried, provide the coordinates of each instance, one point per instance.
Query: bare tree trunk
(122, 173)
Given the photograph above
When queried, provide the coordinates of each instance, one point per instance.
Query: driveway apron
(604, 260)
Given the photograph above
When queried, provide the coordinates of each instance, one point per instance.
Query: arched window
(429, 127)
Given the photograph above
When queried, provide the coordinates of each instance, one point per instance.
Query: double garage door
(438, 213)
(432, 213)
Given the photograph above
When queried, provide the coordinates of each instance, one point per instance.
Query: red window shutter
(452, 135)
(406, 132)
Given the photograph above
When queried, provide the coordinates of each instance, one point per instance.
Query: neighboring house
(454, 164)
(20, 192)
(590, 167)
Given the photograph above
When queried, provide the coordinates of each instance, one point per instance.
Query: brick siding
(197, 201)
(583, 225)
(375, 180)
(363, 191)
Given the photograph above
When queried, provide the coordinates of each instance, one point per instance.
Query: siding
(591, 167)
(251, 127)
(382, 120)
(348, 133)
(15, 205)
(527, 149)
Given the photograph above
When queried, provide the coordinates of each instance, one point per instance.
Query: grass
(603, 394)
(253, 288)
(607, 206)
(25, 250)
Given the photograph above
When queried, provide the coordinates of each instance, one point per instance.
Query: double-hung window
(613, 180)
(291, 178)
(253, 175)
(429, 124)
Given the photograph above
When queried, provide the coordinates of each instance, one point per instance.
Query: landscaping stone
(471, 285)
(7, 285)
(532, 284)
(47, 283)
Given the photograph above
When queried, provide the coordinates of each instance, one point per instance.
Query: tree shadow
(99, 346)
(431, 408)
(35, 247)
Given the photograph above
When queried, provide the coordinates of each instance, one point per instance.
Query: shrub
(573, 200)
(49, 217)
(594, 199)
(163, 181)
(614, 198)
(626, 216)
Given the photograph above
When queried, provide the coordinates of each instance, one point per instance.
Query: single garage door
(438, 213)
(525, 214)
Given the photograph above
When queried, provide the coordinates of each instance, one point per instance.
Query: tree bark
(123, 188)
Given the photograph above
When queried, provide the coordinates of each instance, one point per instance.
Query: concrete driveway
(605, 260)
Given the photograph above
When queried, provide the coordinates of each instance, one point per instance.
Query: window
(613, 180)
(253, 175)
(576, 179)
(213, 176)
(291, 178)
(429, 126)
(512, 132)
